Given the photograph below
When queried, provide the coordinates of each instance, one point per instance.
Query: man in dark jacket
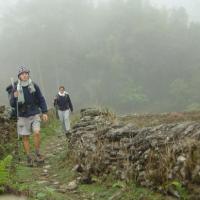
(29, 102)
(64, 105)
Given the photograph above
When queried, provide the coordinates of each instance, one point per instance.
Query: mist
(129, 56)
(192, 7)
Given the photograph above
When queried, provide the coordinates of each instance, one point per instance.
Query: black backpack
(13, 110)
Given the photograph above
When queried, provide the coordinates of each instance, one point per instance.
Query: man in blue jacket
(64, 105)
(27, 98)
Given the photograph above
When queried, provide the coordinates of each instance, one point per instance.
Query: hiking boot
(39, 158)
(30, 162)
(67, 134)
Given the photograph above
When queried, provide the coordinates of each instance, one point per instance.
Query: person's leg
(66, 120)
(60, 115)
(62, 119)
(39, 156)
(27, 150)
(67, 123)
(36, 137)
(26, 144)
(23, 129)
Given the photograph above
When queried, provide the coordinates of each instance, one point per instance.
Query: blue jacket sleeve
(40, 98)
(70, 104)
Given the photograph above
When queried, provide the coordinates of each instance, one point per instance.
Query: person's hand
(16, 94)
(45, 117)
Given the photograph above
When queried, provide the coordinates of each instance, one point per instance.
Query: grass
(125, 192)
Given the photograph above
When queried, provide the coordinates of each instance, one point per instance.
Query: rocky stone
(55, 183)
(43, 182)
(47, 167)
(78, 168)
(7, 133)
(153, 155)
(86, 180)
(116, 196)
(45, 170)
(62, 188)
(181, 159)
(72, 185)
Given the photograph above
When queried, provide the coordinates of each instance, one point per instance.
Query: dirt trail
(46, 179)
(11, 197)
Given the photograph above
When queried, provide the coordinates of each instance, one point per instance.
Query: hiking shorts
(27, 125)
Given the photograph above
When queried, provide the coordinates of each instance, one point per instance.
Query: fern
(4, 170)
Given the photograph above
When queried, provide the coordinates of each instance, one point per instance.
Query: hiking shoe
(67, 134)
(39, 158)
(30, 162)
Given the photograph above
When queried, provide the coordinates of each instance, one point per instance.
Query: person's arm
(13, 97)
(70, 104)
(55, 102)
(40, 98)
(41, 102)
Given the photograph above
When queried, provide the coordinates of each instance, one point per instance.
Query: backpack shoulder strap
(66, 94)
(10, 88)
(35, 85)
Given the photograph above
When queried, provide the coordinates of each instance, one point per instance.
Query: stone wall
(152, 156)
(7, 133)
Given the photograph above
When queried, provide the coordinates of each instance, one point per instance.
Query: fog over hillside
(192, 7)
(130, 56)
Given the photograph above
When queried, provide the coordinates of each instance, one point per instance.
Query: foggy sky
(119, 46)
(192, 6)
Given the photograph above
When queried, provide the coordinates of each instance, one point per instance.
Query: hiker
(62, 103)
(29, 102)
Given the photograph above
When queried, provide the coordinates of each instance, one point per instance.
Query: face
(24, 76)
(61, 90)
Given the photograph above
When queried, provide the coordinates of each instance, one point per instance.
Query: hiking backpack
(13, 110)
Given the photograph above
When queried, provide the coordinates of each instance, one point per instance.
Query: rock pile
(154, 157)
(7, 132)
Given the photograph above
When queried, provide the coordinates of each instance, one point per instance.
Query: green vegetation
(181, 190)
(5, 165)
(119, 190)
